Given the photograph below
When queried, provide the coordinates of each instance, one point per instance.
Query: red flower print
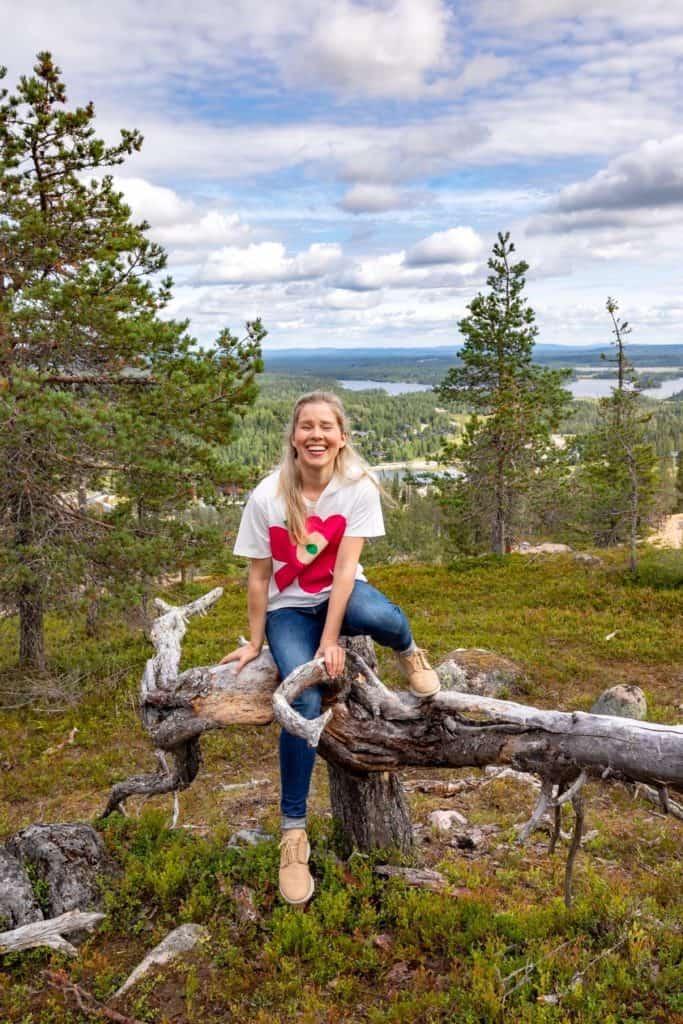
(311, 563)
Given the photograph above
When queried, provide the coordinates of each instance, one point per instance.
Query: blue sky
(341, 169)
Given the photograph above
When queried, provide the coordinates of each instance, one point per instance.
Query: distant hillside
(428, 365)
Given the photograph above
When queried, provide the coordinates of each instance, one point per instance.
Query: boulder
(444, 821)
(547, 548)
(67, 858)
(584, 558)
(473, 670)
(623, 700)
(249, 837)
(475, 838)
(18, 904)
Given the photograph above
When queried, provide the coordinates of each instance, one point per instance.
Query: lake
(392, 387)
(586, 387)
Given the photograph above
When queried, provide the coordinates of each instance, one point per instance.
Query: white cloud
(383, 50)
(372, 274)
(659, 13)
(630, 210)
(377, 49)
(179, 223)
(212, 228)
(273, 105)
(268, 261)
(364, 198)
(340, 298)
(650, 176)
(154, 203)
(481, 70)
(457, 245)
(444, 260)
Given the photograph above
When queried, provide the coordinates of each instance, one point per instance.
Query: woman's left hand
(335, 657)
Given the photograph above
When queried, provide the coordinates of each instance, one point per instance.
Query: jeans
(293, 635)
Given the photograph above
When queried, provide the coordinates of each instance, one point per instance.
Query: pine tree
(96, 389)
(516, 403)
(619, 466)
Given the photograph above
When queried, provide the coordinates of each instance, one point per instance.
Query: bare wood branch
(545, 802)
(577, 804)
(417, 878)
(181, 940)
(93, 378)
(49, 933)
(85, 1000)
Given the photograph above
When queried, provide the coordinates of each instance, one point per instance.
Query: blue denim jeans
(293, 635)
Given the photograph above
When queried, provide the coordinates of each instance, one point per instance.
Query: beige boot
(296, 882)
(422, 678)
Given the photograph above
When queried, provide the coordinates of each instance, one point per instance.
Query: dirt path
(671, 533)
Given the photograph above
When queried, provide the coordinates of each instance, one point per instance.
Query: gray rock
(475, 838)
(585, 559)
(18, 905)
(623, 700)
(547, 548)
(444, 821)
(245, 908)
(249, 837)
(68, 858)
(473, 670)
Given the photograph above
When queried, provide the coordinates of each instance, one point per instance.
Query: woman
(303, 529)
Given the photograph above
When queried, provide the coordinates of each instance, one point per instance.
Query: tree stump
(371, 807)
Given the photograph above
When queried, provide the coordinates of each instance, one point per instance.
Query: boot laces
(417, 659)
(293, 850)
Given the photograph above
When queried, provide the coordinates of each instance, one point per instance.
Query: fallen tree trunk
(367, 729)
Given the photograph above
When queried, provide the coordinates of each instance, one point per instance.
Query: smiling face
(317, 436)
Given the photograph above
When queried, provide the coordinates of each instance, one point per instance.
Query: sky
(341, 169)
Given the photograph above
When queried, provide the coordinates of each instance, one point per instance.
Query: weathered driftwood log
(49, 933)
(368, 729)
(376, 729)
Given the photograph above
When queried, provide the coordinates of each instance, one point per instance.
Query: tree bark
(371, 808)
(633, 511)
(31, 634)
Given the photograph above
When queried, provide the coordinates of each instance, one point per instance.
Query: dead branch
(85, 1001)
(416, 878)
(49, 933)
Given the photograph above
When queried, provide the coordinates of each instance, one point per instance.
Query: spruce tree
(97, 390)
(618, 465)
(516, 405)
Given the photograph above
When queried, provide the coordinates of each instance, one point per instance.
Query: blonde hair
(348, 464)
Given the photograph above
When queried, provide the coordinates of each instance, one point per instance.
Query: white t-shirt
(302, 573)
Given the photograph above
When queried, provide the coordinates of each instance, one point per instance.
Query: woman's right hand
(242, 655)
